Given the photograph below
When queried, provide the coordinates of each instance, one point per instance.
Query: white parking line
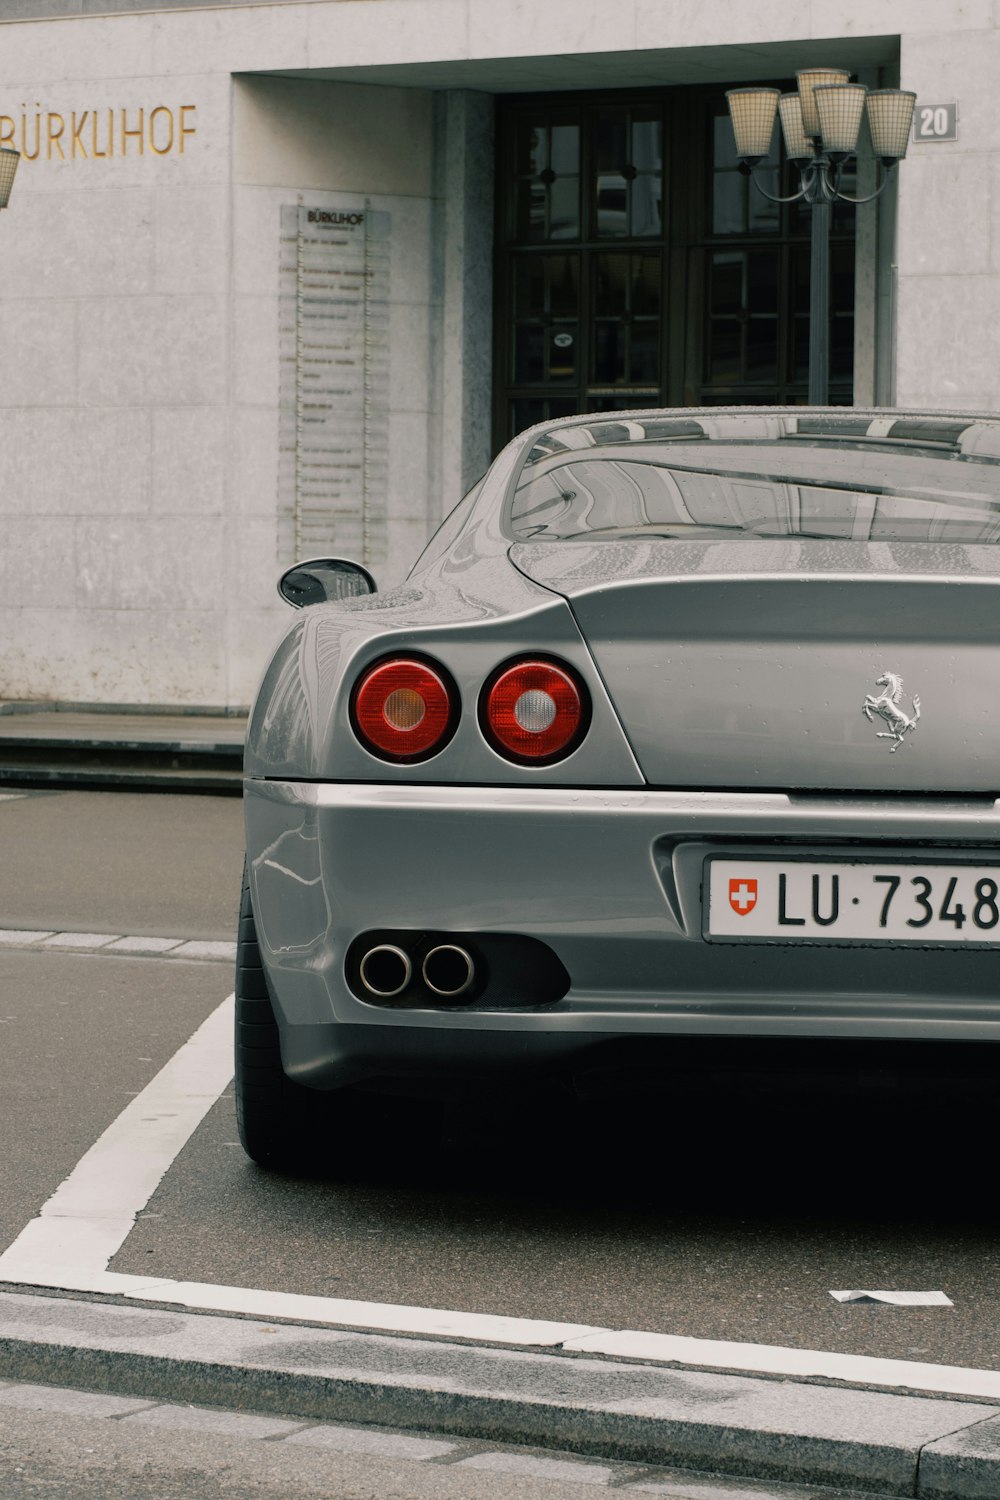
(90, 1215)
(71, 1243)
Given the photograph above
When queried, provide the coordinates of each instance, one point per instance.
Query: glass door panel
(546, 319)
(637, 266)
(626, 320)
(627, 192)
(752, 258)
(547, 178)
(582, 325)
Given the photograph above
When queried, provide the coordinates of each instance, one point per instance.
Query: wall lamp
(820, 124)
(8, 166)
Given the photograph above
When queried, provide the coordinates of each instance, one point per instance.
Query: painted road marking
(71, 1243)
(90, 1215)
(775, 1359)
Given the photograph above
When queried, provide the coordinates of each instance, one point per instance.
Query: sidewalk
(875, 1442)
(45, 745)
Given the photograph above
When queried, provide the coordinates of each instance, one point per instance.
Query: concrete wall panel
(187, 655)
(189, 462)
(720, 24)
(524, 28)
(37, 563)
(242, 39)
(74, 655)
(99, 47)
(78, 244)
(67, 463)
(255, 350)
(191, 233)
(153, 563)
(403, 31)
(288, 132)
(250, 634)
(943, 359)
(147, 351)
(948, 297)
(39, 341)
(252, 464)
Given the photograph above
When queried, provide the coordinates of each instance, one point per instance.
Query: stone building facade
(280, 277)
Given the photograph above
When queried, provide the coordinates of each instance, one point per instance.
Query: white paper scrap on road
(897, 1299)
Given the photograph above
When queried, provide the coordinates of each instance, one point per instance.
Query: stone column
(462, 345)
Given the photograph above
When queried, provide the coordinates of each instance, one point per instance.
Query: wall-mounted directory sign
(334, 386)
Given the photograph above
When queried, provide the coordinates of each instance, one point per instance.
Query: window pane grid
(756, 315)
(588, 252)
(546, 178)
(627, 155)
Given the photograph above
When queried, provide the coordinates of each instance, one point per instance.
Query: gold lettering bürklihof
(96, 134)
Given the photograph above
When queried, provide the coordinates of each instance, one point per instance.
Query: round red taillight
(534, 711)
(404, 709)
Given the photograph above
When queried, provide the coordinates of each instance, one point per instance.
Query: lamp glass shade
(809, 79)
(8, 166)
(752, 112)
(890, 115)
(798, 146)
(840, 108)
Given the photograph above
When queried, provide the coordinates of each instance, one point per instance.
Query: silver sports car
(684, 723)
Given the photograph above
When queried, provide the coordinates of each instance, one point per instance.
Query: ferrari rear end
(691, 729)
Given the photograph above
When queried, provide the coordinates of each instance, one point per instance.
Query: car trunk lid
(780, 664)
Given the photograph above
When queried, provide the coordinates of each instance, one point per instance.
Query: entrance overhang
(656, 68)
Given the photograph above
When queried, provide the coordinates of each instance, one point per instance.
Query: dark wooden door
(636, 266)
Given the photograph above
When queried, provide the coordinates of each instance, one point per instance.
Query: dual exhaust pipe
(448, 970)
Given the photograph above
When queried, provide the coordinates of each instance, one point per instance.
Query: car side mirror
(324, 580)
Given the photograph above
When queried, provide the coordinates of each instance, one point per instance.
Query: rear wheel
(280, 1123)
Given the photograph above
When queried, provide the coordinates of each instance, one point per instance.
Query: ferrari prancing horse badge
(886, 705)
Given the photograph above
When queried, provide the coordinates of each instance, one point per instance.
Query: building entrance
(636, 266)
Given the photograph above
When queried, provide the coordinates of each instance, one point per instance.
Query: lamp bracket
(819, 182)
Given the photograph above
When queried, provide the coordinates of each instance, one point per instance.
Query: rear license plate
(828, 901)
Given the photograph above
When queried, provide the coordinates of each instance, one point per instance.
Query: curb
(198, 950)
(786, 1430)
(10, 706)
(102, 747)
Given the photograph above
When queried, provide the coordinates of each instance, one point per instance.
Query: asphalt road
(81, 1037)
(121, 862)
(722, 1230)
(706, 1208)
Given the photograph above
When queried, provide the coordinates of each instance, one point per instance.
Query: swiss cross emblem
(742, 896)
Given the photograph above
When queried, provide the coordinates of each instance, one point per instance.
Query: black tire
(279, 1122)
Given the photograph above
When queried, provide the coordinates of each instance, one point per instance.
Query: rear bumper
(611, 882)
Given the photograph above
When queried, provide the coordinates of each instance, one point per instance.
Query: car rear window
(859, 478)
